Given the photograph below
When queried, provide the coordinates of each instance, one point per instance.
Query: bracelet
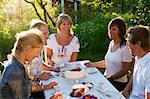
(42, 87)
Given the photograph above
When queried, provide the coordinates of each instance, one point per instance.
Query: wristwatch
(36, 78)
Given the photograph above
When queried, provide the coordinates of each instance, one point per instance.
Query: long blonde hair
(64, 17)
(33, 37)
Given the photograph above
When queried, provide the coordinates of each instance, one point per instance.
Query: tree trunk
(44, 9)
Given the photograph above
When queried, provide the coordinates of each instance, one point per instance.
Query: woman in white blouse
(118, 57)
(63, 46)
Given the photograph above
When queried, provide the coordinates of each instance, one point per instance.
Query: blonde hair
(35, 23)
(33, 37)
(64, 17)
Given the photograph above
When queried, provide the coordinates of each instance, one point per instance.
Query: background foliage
(91, 27)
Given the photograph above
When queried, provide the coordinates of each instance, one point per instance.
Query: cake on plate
(78, 90)
(88, 96)
(75, 73)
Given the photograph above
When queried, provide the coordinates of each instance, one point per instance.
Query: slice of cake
(78, 90)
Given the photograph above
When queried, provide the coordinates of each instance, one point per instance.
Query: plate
(78, 90)
(110, 95)
(88, 84)
(92, 70)
(61, 64)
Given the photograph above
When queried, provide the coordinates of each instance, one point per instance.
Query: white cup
(102, 86)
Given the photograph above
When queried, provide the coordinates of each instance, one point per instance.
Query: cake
(75, 73)
(78, 90)
(88, 96)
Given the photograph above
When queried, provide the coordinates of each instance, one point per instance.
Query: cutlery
(108, 95)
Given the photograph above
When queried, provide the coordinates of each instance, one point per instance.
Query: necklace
(114, 47)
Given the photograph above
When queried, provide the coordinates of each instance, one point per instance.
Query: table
(95, 78)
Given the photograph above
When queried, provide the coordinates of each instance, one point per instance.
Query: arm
(122, 72)
(17, 89)
(99, 64)
(50, 68)
(75, 47)
(36, 88)
(128, 88)
(147, 96)
(147, 79)
(49, 55)
(18, 86)
(74, 56)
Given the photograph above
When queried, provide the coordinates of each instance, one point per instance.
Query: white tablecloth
(95, 78)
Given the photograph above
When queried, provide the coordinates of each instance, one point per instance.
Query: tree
(42, 5)
(142, 13)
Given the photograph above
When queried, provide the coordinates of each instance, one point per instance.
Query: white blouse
(114, 61)
(141, 79)
(62, 53)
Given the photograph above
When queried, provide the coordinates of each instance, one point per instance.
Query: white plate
(86, 89)
(61, 64)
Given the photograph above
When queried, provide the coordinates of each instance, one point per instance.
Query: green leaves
(93, 36)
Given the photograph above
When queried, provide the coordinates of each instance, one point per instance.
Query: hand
(50, 85)
(110, 79)
(57, 95)
(89, 64)
(125, 93)
(45, 76)
(56, 69)
(50, 62)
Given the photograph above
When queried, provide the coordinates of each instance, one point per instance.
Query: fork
(108, 95)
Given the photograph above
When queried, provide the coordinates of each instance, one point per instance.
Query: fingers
(45, 76)
(57, 95)
(51, 63)
(125, 94)
(56, 69)
(89, 64)
(54, 83)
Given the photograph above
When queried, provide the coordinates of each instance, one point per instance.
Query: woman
(15, 83)
(139, 43)
(63, 46)
(36, 74)
(118, 56)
